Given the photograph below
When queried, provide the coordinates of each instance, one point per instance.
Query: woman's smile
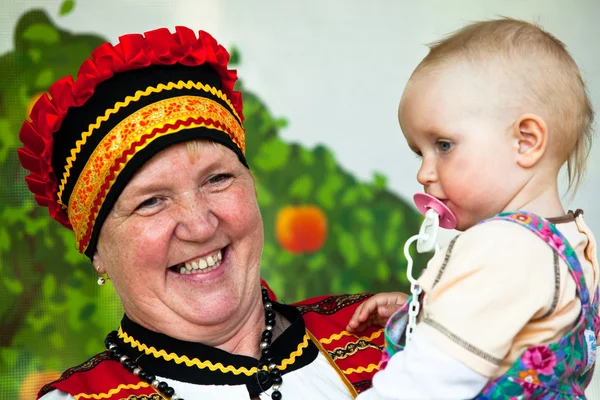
(201, 269)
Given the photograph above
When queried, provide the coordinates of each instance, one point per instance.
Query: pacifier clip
(437, 215)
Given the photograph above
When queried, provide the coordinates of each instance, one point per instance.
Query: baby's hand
(376, 310)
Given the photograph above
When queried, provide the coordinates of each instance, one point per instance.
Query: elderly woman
(142, 156)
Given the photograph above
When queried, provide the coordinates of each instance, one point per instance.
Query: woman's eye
(148, 203)
(219, 178)
(444, 145)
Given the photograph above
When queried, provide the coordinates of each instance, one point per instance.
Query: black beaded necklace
(267, 369)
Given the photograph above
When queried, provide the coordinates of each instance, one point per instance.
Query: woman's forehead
(183, 157)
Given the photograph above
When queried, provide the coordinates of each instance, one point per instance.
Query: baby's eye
(444, 145)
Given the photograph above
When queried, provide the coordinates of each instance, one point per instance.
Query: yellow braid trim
(358, 370)
(207, 364)
(111, 392)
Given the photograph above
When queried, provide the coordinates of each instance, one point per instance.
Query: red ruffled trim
(135, 51)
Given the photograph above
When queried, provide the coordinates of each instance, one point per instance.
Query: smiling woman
(143, 157)
(193, 226)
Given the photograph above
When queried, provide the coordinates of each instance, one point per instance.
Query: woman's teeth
(202, 265)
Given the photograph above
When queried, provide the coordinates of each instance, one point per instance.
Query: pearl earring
(101, 280)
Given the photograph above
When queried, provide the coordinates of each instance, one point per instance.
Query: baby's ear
(531, 134)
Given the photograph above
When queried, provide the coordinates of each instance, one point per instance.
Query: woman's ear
(531, 134)
(98, 264)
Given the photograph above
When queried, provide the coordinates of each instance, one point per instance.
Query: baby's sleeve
(496, 277)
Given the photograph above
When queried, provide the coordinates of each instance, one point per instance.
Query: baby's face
(454, 120)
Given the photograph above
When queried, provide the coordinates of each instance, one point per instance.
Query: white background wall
(336, 69)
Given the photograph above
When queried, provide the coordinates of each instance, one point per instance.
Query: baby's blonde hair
(542, 67)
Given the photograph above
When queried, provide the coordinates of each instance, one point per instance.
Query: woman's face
(182, 244)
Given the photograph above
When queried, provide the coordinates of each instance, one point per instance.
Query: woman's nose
(195, 220)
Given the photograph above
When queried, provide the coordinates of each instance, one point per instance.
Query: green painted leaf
(4, 239)
(316, 262)
(337, 284)
(272, 155)
(35, 55)
(12, 285)
(269, 250)
(71, 255)
(234, 56)
(327, 194)
(284, 257)
(44, 78)
(280, 123)
(366, 192)
(390, 239)
(66, 7)
(86, 312)
(75, 282)
(43, 33)
(265, 198)
(306, 156)
(301, 187)
(383, 271)
(48, 286)
(59, 297)
(356, 287)
(57, 340)
(330, 163)
(364, 216)
(347, 245)
(350, 196)
(379, 181)
(368, 242)
(8, 139)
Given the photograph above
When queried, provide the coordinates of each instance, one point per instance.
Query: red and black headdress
(88, 136)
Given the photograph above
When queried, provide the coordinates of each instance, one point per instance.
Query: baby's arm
(422, 371)
(497, 278)
(376, 310)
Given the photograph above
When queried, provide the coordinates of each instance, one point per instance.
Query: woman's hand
(376, 310)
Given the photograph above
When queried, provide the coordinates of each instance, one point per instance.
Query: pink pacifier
(437, 214)
(424, 202)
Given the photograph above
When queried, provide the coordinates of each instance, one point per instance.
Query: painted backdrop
(321, 84)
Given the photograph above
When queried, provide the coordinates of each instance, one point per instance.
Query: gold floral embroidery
(351, 348)
(131, 135)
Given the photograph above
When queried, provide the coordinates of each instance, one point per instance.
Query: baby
(509, 308)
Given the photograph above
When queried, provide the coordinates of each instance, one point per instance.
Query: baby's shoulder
(500, 241)
(501, 231)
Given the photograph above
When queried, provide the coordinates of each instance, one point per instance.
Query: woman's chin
(208, 314)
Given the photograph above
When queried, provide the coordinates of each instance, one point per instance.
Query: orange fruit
(301, 229)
